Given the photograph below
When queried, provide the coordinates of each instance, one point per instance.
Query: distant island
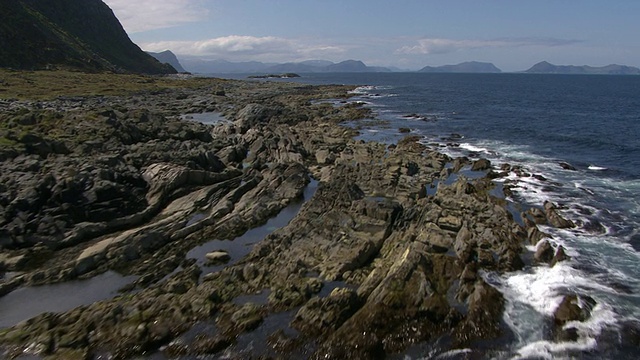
(167, 57)
(275, 76)
(205, 66)
(216, 66)
(613, 69)
(465, 67)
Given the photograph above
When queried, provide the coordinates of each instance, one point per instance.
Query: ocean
(581, 134)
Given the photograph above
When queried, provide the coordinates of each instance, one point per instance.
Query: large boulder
(573, 308)
(320, 314)
(254, 114)
(555, 219)
(544, 252)
(480, 165)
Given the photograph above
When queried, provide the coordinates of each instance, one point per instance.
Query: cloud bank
(143, 15)
(240, 48)
(443, 46)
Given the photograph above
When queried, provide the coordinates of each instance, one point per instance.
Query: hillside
(69, 34)
(465, 67)
(167, 57)
(613, 69)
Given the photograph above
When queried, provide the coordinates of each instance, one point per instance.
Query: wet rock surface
(125, 184)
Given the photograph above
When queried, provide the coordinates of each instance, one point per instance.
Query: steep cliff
(78, 34)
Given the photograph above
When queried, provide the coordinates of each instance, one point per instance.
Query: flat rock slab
(218, 256)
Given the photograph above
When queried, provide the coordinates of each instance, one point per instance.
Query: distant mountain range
(202, 66)
(465, 67)
(69, 34)
(198, 65)
(613, 69)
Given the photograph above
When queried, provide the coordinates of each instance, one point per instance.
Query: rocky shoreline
(401, 234)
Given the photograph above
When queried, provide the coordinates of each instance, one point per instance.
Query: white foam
(538, 288)
(596, 168)
(362, 89)
(474, 148)
(614, 248)
(532, 298)
(602, 316)
(367, 89)
(453, 354)
(550, 350)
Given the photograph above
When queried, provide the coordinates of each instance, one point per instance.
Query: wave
(597, 168)
(370, 89)
(476, 149)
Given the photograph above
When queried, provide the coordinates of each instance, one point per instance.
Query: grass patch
(47, 85)
(5, 143)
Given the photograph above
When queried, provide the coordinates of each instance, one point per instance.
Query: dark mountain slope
(79, 34)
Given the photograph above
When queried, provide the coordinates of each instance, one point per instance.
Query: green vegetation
(47, 85)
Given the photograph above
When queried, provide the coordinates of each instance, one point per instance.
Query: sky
(408, 34)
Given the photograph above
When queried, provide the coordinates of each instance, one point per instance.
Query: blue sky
(408, 34)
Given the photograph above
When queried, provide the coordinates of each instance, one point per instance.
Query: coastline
(411, 257)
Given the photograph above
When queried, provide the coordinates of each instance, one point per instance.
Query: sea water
(591, 123)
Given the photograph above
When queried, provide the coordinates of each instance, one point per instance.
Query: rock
(451, 223)
(544, 252)
(411, 168)
(559, 256)
(481, 165)
(218, 256)
(324, 157)
(254, 114)
(464, 244)
(573, 308)
(555, 219)
(439, 241)
(320, 314)
(534, 235)
(538, 215)
(248, 317)
(594, 226)
(567, 166)
(483, 319)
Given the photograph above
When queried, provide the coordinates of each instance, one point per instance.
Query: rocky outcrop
(371, 265)
(555, 219)
(572, 308)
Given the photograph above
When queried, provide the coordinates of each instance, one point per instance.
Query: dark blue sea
(591, 123)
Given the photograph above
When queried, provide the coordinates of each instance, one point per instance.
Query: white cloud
(444, 46)
(241, 48)
(143, 15)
